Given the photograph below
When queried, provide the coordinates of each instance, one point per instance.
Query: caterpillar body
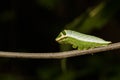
(80, 40)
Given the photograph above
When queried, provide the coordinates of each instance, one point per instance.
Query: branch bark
(59, 55)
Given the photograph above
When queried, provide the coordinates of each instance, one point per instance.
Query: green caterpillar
(80, 40)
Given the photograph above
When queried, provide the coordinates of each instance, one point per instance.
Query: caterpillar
(79, 40)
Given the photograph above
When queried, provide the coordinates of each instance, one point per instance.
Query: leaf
(80, 40)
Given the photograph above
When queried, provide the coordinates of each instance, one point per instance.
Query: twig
(58, 55)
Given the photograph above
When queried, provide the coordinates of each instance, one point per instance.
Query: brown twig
(59, 55)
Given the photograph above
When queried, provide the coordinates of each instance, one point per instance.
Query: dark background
(32, 26)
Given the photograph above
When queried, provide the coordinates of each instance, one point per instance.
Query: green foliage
(95, 18)
(80, 40)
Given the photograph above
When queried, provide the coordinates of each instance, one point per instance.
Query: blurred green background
(32, 26)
